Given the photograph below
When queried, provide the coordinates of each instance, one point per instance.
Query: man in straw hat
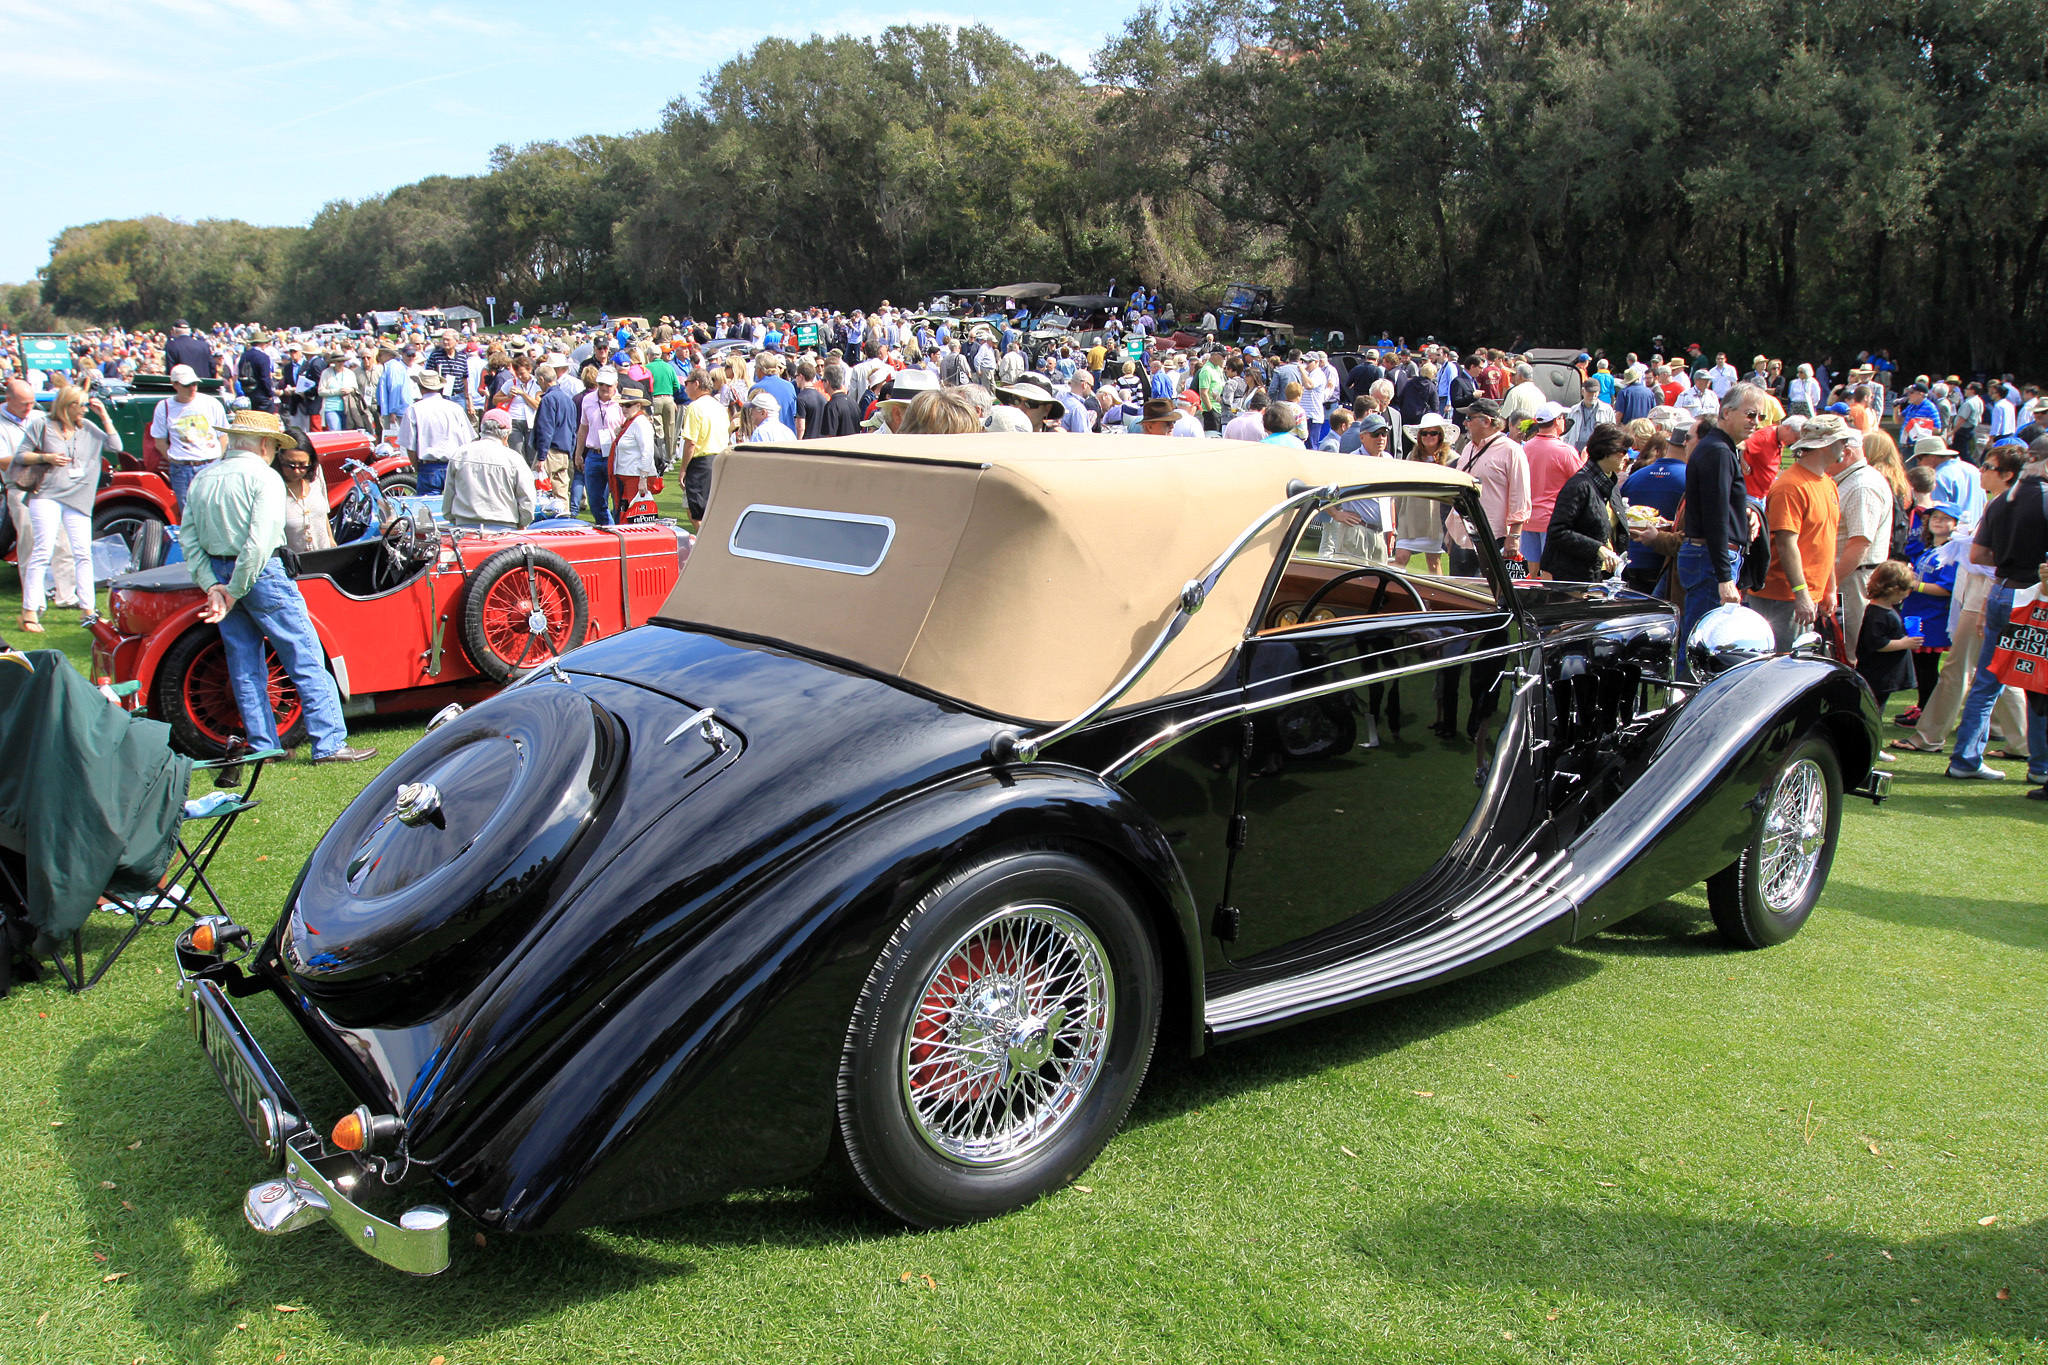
(232, 529)
(432, 430)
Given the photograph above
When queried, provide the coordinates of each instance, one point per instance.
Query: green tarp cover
(91, 795)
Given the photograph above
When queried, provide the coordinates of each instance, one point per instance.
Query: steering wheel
(1388, 578)
(404, 549)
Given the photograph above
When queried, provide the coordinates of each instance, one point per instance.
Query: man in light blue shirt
(1955, 481)
(394, 385)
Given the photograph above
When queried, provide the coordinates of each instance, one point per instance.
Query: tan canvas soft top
(1026, 572)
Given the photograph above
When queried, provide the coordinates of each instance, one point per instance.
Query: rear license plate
(266, 1107)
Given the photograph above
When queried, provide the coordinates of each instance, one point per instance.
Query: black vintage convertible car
(956, 775)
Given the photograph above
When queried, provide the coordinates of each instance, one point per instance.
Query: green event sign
(46, 351)
(807, 334)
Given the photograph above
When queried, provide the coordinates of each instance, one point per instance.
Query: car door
(1388, 743)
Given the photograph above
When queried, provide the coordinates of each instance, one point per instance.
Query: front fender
(716, 1066)
(1693, 808)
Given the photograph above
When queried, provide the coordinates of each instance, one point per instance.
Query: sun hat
(905, 385)
(254, 422)
(1825, 429)
(431, 381)
(1930, 445)
(1159, 410)
(632, 391)
(1431, 421)
(184, 374)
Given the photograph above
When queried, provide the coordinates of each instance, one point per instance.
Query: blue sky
(265, 110)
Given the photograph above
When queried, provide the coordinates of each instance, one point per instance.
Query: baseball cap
(184, 374)
(498, 417)
(1546, 413)
(608, 375)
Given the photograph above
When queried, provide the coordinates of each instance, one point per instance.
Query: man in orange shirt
(1803, 514)
(1860, 415)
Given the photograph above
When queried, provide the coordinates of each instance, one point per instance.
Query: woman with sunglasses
(306, 527)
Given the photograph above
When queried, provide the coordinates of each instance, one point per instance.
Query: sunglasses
(296, 466)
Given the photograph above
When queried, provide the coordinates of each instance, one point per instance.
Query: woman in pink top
(1552, 460)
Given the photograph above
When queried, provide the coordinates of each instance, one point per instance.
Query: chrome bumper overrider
(1875, 788)
(316, 1184)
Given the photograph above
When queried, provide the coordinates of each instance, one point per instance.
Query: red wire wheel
(524, 606)
(196, 696)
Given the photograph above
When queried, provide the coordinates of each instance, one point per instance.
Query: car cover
(89, 795)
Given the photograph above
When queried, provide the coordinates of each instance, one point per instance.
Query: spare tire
(407, 903)
(523, 606)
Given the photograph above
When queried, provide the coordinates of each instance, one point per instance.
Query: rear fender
(1694, 807)
(715, 1067)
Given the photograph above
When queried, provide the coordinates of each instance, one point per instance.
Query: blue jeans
(596, 482)
(179, 475)
(433, 477)
(274, 610)
(1973, 731)
(1532, 546)
(1702, 587)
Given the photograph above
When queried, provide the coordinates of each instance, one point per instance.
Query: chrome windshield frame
(1012, 746)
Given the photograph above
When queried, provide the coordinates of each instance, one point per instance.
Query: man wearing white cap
(186, 428)
(433, 429)
(490, 486)
(1552, 460)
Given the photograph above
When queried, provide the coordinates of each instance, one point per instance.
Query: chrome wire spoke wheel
(1008, 1035)
(1795, 829)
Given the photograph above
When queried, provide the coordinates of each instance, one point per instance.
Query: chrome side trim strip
(1523, 897)
(1173, 734)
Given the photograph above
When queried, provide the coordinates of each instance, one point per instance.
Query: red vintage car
(418, 617)
(136, 503)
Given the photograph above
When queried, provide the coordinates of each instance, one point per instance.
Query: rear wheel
(1765, 896)
(195, 696)
(1000, 1038)
(399, 484)
(523, 606)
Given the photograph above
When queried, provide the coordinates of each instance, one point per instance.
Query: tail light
(360, 1131)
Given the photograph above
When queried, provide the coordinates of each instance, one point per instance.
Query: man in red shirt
(1803, 513)
(1552, 460)
(1763, 455)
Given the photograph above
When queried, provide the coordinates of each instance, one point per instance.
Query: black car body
(758, 881)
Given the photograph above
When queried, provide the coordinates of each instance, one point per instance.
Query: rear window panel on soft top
(840, 542)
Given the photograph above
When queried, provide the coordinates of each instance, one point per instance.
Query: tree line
(1815, 178)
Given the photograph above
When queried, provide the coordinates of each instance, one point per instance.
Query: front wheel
(1000, 1038)
(1765, 896)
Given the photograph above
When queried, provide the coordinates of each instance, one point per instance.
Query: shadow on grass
(1177, 1084)
(1667, 929)
(1836, 1288)
(172, 1218)
(2017, 924)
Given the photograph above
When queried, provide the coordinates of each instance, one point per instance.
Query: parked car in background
(412, 618)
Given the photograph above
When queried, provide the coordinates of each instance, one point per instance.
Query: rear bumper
(317, 1185)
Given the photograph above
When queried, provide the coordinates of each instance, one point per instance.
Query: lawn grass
(1639, 1147)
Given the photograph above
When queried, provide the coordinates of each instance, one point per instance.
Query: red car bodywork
(397, 649)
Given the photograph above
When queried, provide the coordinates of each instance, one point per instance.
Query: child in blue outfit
(1925, 610)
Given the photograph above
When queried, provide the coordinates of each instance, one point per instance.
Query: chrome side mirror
(1726, 636)
(1804, 641)
(444, 715)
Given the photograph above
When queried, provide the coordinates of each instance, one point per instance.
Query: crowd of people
(1899, 519)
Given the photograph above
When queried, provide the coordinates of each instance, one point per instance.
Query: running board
(1509, 908)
